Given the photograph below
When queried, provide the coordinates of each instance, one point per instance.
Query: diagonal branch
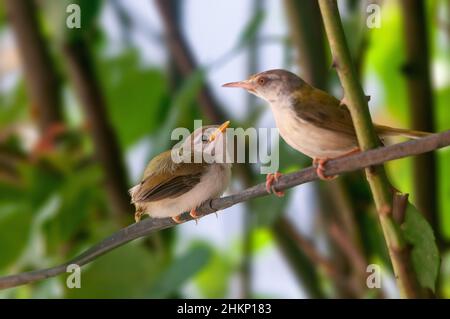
(81, 71)
(149, 225)
(184, 58)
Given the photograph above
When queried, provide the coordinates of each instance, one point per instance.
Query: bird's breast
(309, 139)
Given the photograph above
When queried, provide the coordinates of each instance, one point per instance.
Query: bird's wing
(325, 111)
(168, 180)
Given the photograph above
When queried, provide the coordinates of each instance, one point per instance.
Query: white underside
(212, 184)
(311, 140)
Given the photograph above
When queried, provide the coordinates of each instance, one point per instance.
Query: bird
(310, 120)
(171, 187)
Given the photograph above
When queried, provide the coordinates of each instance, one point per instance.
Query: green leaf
(55, 18)
(267, 209)
(126, 272)
(78, 195)
(13, 105)
(15, 223)
(136, 95)
(180, 271)
(213, 280)
(424, 254)
(261, 238)
(443, 158)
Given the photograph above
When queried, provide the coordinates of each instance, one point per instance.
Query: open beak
(246, 84)
(219, 130)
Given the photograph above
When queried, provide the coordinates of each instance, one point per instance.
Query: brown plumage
(169, 188)
(310, 120)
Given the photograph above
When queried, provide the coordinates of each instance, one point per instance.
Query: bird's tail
(384, 131)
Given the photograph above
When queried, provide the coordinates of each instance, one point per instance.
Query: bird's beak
(219, 130)
(246, 84)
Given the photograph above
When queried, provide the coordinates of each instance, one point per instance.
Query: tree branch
(81, 72)
(184, 58)
(149, 225)
(367, 139)
(299, 259)
(41, 78)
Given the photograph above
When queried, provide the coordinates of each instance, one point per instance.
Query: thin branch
(184, 58)
(368, 139)
(149, 225)
(301, 263)
(399, 205)
(81, 72)
(348, 247)
(308, 248)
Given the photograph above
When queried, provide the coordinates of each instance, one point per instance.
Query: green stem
(367, 138)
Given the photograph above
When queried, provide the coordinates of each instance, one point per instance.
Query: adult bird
(310, 120)
(181, 179)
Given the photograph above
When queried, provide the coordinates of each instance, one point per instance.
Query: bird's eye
(261, 81)
(204, 138)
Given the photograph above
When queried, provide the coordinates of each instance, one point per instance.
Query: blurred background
(83, 110)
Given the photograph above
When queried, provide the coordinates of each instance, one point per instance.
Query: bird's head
(209, 139)
(272, 85)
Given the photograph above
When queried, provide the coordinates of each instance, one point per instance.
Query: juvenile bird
(308, 119)
(170, 187)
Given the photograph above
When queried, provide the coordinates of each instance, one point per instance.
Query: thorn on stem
(334, 64)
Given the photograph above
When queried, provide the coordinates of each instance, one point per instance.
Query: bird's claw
(270, 178)
(177, 219)
(319, 163)
(194, 214)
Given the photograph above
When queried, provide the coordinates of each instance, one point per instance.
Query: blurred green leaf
(15, 223)
(213, 279)
(385, 61)
(56, 18)
(425, 254)
(126, 272)
(180, 270)
(261, 238)
(78, 195)
(267, 209)
(136, 95)
(13, 105)
(443, 158)
(42, 183)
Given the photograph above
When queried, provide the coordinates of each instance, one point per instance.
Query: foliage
(55, 205)
(425, 254)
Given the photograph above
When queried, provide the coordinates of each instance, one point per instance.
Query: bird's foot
(195, 214)
(319, 163)
(270, 178)
(177, 219)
